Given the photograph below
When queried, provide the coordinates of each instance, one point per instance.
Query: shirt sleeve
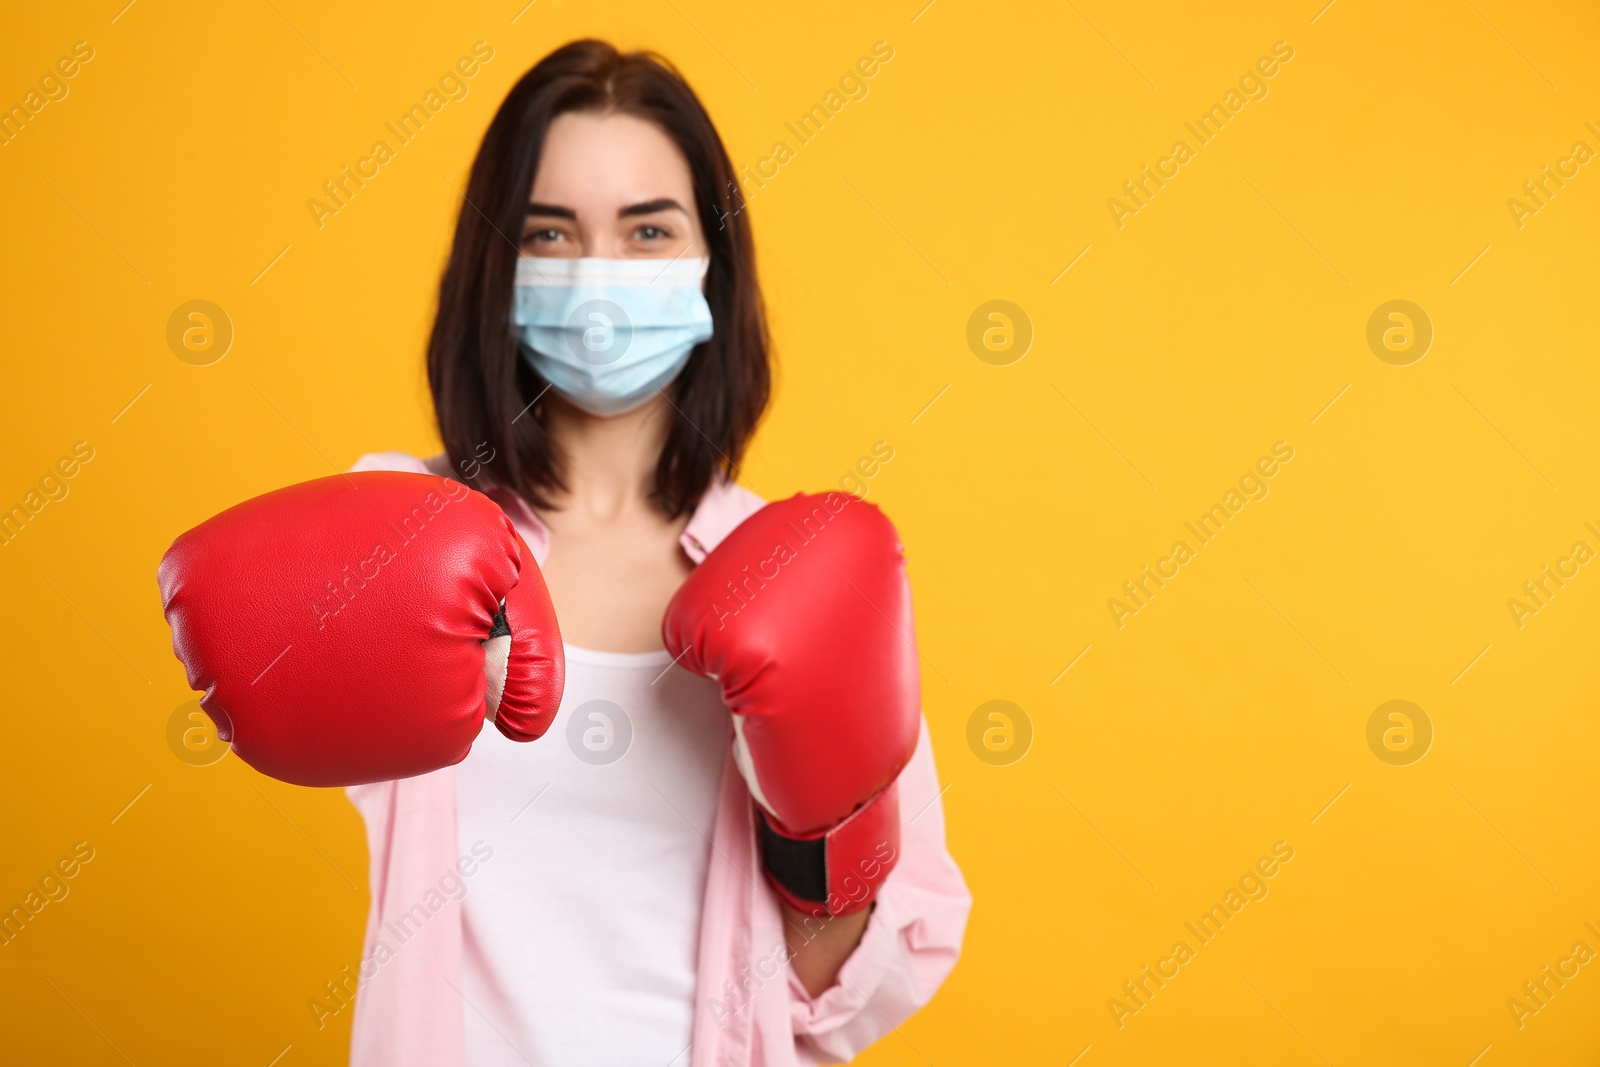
(911, 941)
(394, 461)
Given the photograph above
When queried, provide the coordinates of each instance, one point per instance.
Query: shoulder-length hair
(484, 392)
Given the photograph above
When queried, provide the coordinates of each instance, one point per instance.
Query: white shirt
(581, 930)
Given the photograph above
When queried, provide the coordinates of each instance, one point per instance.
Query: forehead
(607, 161)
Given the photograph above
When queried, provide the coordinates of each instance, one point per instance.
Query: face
(611, 186)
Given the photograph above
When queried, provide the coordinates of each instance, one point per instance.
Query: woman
(609, 912)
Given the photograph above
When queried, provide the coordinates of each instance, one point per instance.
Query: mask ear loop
(537, 407)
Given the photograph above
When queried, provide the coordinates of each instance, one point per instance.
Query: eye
(649, 232)
(548, 235)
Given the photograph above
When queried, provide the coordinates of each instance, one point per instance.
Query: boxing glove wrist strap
(838, 871)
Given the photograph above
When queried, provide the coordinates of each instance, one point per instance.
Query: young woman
(598, 365)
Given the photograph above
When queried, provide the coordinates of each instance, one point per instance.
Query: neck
(608, 463)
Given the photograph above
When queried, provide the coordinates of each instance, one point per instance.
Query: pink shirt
(750, 1010)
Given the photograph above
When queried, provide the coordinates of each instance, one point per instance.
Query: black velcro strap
(801, 867)
(498, 627)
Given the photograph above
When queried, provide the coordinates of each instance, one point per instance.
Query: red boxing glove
(803, 613)
(359, 628)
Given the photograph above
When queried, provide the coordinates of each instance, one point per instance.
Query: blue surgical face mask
(609, 333)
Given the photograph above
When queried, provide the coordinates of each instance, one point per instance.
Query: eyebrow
(648, 207)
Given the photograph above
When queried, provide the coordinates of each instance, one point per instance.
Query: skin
(616, 187)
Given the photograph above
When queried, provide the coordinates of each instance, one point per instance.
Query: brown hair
(482, 387)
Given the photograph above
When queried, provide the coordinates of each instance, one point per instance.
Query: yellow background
(1225, 316)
